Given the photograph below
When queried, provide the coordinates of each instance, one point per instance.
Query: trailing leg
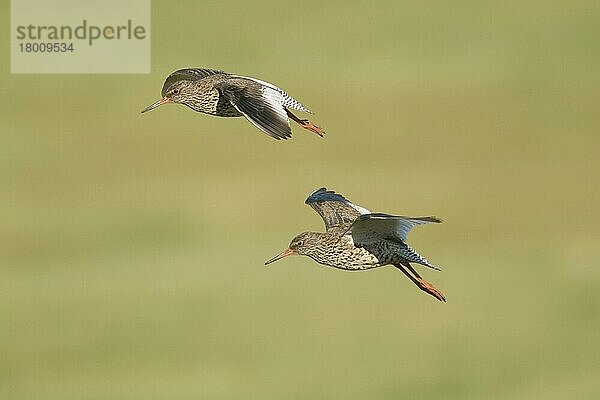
(306, 124)
(419, 281)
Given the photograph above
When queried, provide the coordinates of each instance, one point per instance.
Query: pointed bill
(160, 102)
(279, 256)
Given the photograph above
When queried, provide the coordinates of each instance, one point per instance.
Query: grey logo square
(74, 36)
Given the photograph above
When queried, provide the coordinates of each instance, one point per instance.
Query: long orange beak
(160, 102)
(279, 256)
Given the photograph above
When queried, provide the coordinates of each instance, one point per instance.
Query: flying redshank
(226, 95)
(356, 239)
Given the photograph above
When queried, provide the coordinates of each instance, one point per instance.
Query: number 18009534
(46, 47)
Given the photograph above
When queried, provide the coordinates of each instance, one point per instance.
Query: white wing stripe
(285, 98)
(273, 98)
(361, 210)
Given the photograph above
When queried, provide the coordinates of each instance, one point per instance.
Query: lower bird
(356, 239)
(223, 94)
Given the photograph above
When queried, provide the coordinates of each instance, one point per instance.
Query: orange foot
(306, 124)
(432, 290)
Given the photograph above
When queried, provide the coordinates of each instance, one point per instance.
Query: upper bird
(222, 94)
(356, 239)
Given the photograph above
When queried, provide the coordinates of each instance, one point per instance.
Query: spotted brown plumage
(222, 94)
(356, 239)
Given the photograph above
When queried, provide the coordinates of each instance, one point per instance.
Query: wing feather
(261, 105)
(287, 100)
(337, 211)
(377, 226)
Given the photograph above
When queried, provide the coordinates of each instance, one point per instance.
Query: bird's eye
(175, 91)
(299, 243)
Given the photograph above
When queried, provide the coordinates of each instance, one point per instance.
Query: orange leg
(306, 124)
(420, 282)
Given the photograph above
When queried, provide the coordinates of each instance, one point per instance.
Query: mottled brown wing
(261, 105)
(188, 74)
(337, 212)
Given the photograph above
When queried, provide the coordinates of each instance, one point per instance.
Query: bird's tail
(411, 255)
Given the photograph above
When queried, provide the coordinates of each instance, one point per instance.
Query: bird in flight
(356, 239)
(222, 94)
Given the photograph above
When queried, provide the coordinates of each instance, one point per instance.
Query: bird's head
(175, 92)
(301, 245)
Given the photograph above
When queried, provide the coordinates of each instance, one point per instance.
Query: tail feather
(410, 255)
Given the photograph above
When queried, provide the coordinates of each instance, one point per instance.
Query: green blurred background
(132, 246)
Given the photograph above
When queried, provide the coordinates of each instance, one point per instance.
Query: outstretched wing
(337, 212)
(188, 74)
(287, 100)
(373, 227)
(261, 105)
